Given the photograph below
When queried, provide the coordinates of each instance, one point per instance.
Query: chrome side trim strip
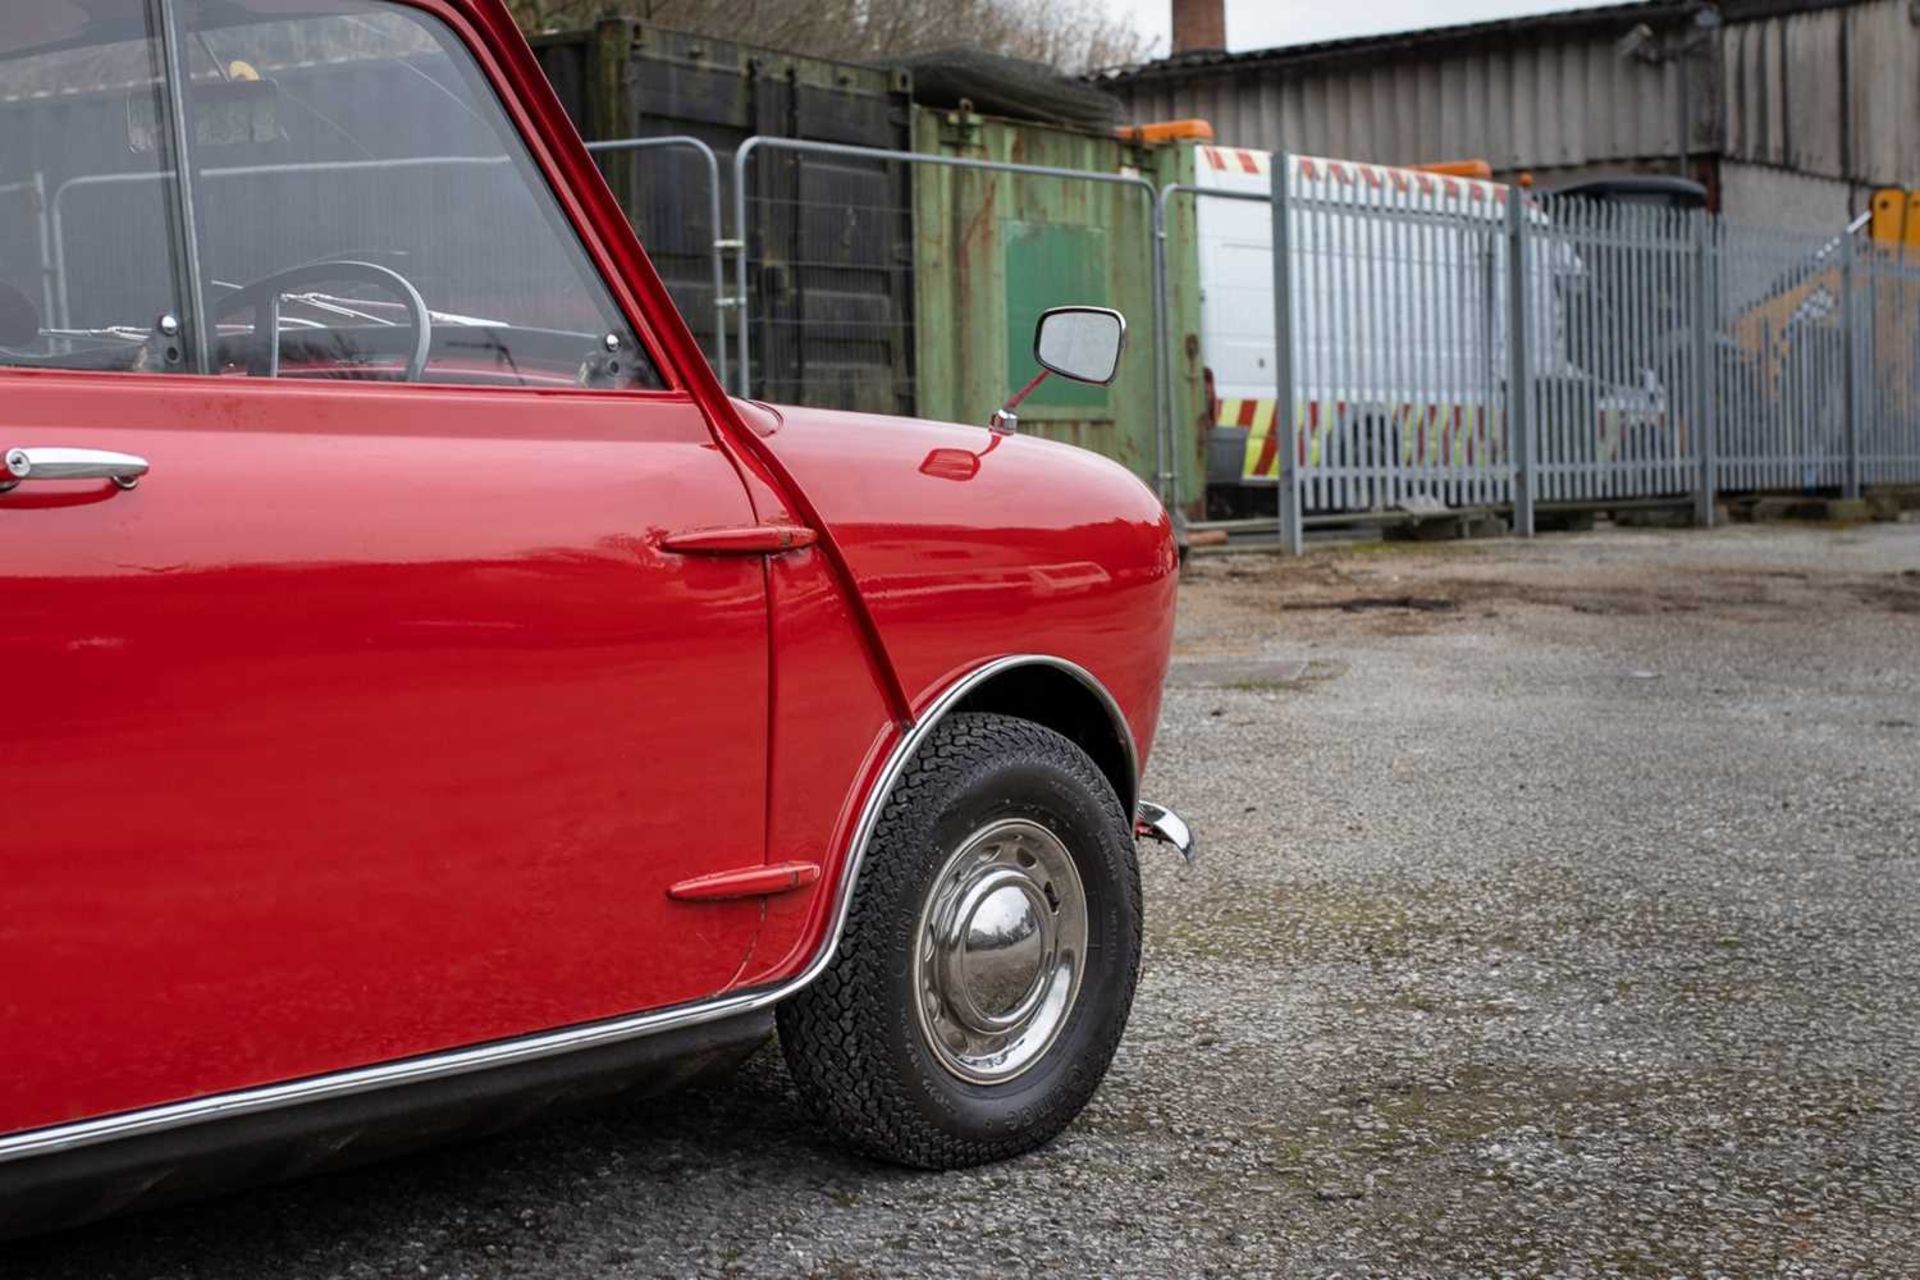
(245, 1102)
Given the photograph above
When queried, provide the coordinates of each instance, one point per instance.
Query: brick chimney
(1199, 26)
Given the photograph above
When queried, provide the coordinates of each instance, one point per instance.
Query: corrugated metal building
(1787, 110)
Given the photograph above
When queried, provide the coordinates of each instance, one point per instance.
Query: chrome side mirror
(1080, 343)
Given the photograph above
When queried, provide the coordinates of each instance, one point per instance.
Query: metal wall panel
(1884, 106)
(1832, 91)
(1784, 198)
(1525, 105)
(1835, 93)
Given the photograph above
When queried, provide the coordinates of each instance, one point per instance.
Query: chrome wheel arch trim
(57, 1139)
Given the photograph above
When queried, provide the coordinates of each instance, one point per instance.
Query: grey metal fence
(1441, 342)
(1220, 220)
(1616, 365)
(1418, 342)
(87, 259)
(1785, 303)
(1887, 310)
(825, 276)
(1393, 301)
(1396, 294)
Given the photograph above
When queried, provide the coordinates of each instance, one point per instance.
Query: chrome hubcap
(1001, 945)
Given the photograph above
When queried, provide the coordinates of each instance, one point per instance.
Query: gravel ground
(1557, 917)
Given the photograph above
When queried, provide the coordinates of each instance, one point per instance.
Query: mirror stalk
(1006, 419)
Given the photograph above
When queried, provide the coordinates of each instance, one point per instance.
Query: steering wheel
(264, 294)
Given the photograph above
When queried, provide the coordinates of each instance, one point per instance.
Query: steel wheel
(991, 949)
(1001, 948)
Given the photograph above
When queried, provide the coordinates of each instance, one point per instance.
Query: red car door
(373, 720)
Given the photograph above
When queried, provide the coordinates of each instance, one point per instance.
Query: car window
(361, 205)
(88, 263)
(362, 196)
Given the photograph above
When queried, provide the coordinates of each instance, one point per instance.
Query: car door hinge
(747, 882)
(747, 540)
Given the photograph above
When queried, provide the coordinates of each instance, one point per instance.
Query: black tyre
(989, 959)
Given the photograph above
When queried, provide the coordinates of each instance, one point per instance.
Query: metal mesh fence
(26, 243)
(830, 281)
(911, 283)
(671, 189)
(1420, 341)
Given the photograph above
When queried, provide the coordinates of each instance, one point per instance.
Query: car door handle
(123, 469)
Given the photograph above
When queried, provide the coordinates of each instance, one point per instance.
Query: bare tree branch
(1072, 36)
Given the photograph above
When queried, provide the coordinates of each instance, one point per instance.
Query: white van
(1400, 308)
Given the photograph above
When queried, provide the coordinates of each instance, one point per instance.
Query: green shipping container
(994, 250)
(887, 286)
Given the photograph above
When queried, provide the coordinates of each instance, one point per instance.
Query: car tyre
(972, 1008)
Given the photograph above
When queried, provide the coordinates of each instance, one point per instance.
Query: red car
(430, 696)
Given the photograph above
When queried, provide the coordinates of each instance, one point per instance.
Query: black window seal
(164, 17)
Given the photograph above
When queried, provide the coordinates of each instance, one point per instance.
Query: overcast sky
(1262, 24)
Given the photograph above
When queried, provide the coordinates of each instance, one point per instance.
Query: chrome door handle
(123, 469)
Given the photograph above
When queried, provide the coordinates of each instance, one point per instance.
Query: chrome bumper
(1155, 823)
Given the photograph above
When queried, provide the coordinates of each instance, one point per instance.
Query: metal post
(1163, 334)
(1526, 474)
(1849, 353)
(1704, 413)
(741, 297)
(1292, 530)
(719, 242)
(1168, 335)
(1163, 434)
(43, 216)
